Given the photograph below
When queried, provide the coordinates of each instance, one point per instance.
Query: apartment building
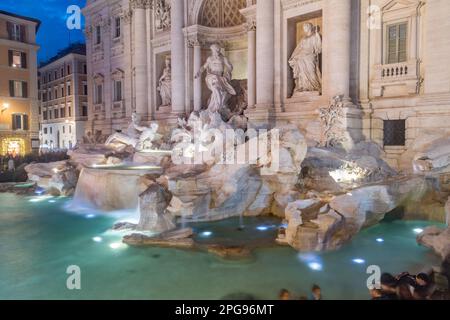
(63, 91)
(19, 127)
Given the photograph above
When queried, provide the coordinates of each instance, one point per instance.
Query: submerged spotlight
(206, 234)
(316, 266)
(262, 228)
(97, 239)
(359, 261)
(380, 240)
(90, 216)
(116, 245)
(418, 230)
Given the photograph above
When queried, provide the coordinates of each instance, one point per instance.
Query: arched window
(222, 13)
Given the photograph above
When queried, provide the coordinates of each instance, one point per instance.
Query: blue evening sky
(53, 34)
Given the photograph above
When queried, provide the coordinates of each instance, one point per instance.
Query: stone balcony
(396, 80)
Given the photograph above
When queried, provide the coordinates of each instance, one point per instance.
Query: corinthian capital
(140, 4)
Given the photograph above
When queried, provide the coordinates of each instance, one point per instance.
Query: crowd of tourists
(404, 287)
(401, 287)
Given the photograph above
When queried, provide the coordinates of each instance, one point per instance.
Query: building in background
(63, 93)
(19, 126)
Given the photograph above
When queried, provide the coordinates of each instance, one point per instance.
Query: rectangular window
(98, 35)
(18, 89)
(85, 69)
(117, 28)
(394, 132)
(44, 115)
(84, 111)
(69, 90)
(99, 94)
(63, 113)
(45, 130)
(16, 32)
(85, 89)
(49, 95)
(117, 90)
(56, 74)
(62, 92)
(397, 43)
(70, 111)
(20, 122)
(17, 59)
(69, 71)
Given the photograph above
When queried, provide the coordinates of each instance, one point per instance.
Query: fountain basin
(112, 187)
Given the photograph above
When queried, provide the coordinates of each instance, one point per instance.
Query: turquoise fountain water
(39, 239)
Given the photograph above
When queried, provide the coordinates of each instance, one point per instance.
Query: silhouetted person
(284, 295)
(388, 287)
(316, 293)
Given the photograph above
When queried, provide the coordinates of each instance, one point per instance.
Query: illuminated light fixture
(55, 170)
(316, 266)
(116, 245)
(67, 121)
(418, 230)
(97, 239)
(90, 216)
(380, 240)
(262, 228)
(206, 234)
(359, 261)
(5, 107)
(51, 201)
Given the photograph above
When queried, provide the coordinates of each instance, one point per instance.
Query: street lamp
(5, 107)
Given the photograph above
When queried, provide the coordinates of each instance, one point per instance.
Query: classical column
(140, 55)
(337, 18)
(198, 81)
(251, 64)
(178, 56)
(128, 78)
(265, 53)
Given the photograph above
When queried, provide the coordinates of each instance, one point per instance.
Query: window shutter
(24, 89)
(23, 33)
(9, 28)
(10, 58)
(14, 122)
(402, 42)
(11, 88)
(26, 125)
(23, 59)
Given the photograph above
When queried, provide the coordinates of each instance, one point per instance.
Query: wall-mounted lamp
(5, 107)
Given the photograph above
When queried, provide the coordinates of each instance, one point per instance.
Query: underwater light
(316, 266)
(359, 261)
(380, 240)
(90, 216)
(51, 201)
(116, 245)
(418, 230)
(262, 228)
(97, 239)
(206, 234)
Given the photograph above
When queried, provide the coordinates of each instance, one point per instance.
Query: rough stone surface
(152, 210)
(437, 239)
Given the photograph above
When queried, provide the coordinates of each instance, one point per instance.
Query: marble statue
(218, 76)
(165, 85)
(305, 61)
(136, 136)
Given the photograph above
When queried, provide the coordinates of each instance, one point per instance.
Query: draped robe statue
(165, 85)
(305, 61)
(218, 76)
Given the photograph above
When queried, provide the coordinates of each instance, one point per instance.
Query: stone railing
(396, 79)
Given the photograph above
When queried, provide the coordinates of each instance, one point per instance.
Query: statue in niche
(165, 85)
(136, 136)
(162, 13)
(305, 61)
(218, 77)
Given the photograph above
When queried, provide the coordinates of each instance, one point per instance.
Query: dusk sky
(53, 34)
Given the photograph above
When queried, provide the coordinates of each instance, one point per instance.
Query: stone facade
(385, 59)
(63, 92)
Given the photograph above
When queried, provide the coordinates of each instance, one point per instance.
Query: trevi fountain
(215, 208)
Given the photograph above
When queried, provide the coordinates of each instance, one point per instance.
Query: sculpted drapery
(305, 61)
